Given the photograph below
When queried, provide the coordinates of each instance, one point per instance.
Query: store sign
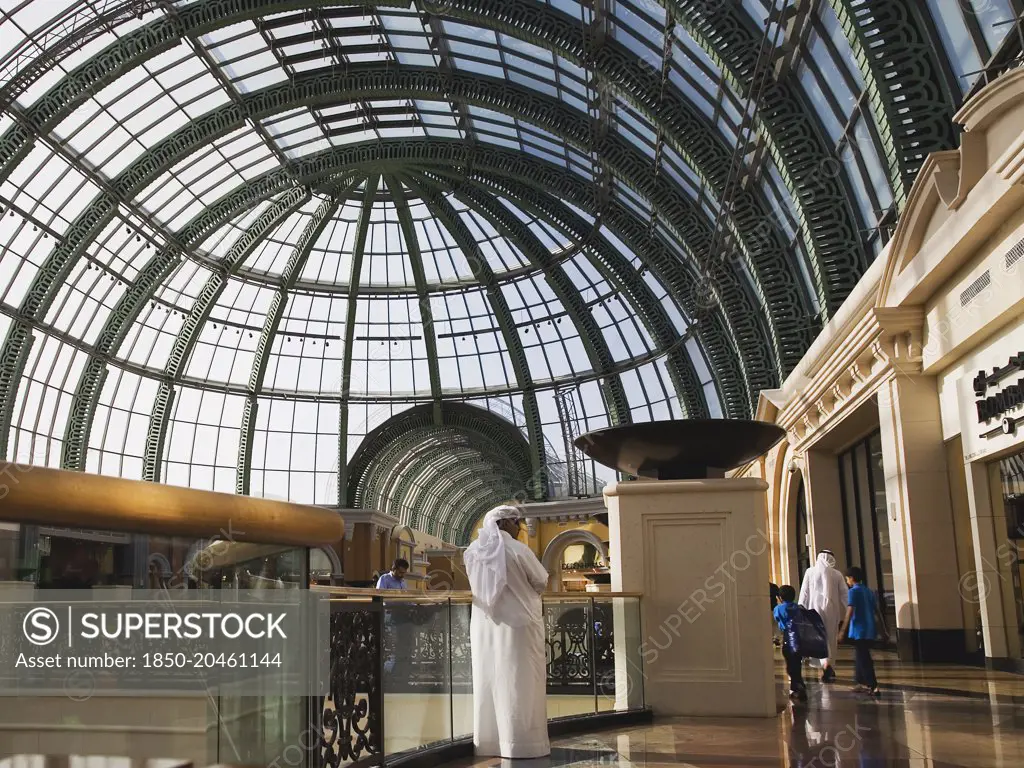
(1008, 398)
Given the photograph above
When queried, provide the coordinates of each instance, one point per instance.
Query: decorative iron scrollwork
(567, 637)
(352, 715)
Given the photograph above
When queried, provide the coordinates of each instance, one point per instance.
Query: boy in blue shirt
(784, 614)
(859, 625)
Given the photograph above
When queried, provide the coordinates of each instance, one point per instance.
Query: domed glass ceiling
(239, 237)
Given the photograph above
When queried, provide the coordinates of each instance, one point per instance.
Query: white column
(698, 551)
(990, 586)
(920, 520)
(626, 638)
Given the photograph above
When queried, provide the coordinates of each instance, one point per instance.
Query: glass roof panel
(482, 312)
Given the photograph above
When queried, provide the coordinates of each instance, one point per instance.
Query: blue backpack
(806, 634)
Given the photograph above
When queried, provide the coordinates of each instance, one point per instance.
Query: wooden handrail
(457, 594)
(61, 498)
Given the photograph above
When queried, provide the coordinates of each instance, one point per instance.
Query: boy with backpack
(785, 613)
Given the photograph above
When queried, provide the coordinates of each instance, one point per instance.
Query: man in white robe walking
(824, 590)
(507, 641)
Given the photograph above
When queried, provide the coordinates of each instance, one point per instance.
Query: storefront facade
(905, 420)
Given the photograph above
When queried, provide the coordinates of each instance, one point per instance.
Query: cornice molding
(992, 101)
(379, 520)
(885, 341)
(565, 510)
(440, 552)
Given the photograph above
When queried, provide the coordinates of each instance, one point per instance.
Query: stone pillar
(920, 518)
(626, 641)
(698, 551)
(991, 586)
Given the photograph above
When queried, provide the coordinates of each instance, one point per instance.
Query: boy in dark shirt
(784, 614)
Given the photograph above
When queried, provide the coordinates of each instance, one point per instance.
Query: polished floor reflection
(927, 716)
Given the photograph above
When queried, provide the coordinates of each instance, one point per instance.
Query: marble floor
(927, 716)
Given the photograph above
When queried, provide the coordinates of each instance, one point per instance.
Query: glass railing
(401, 678)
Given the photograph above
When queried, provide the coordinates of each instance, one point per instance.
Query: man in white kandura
(824, 590)
(507, 641)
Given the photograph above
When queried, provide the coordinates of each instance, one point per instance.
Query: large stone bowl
(686, 449)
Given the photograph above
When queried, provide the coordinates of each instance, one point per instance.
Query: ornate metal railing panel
(416, 647)
(427, 647)
(352, 714)
(382, 647)
(568, 630)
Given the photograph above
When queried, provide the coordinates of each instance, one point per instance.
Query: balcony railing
(401, 673)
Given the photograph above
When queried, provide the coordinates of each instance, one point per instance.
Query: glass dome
(241, 241)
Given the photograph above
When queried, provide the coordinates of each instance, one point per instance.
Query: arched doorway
(324, 566)
(552, 558)
(802, 537)
(159, 571)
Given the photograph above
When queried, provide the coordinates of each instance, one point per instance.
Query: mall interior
(293, 289)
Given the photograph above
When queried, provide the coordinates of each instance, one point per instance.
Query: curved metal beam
(484, 275)
(701, 143)
(188, 335)
(903, 76)
(618, 271)
(426, 314)
(296, 262)
(764, 253)
(568, 295)
(795, 139)
(94, 373)
(358, 248)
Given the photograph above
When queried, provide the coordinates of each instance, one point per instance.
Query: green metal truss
(698, 141)
(188, 335)
(419, 278)
(296, 262)
(358, 249)
(795, 139)
(590, 334)
(908, 93)
(484, 275)
(617, 270)
(764, 252)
